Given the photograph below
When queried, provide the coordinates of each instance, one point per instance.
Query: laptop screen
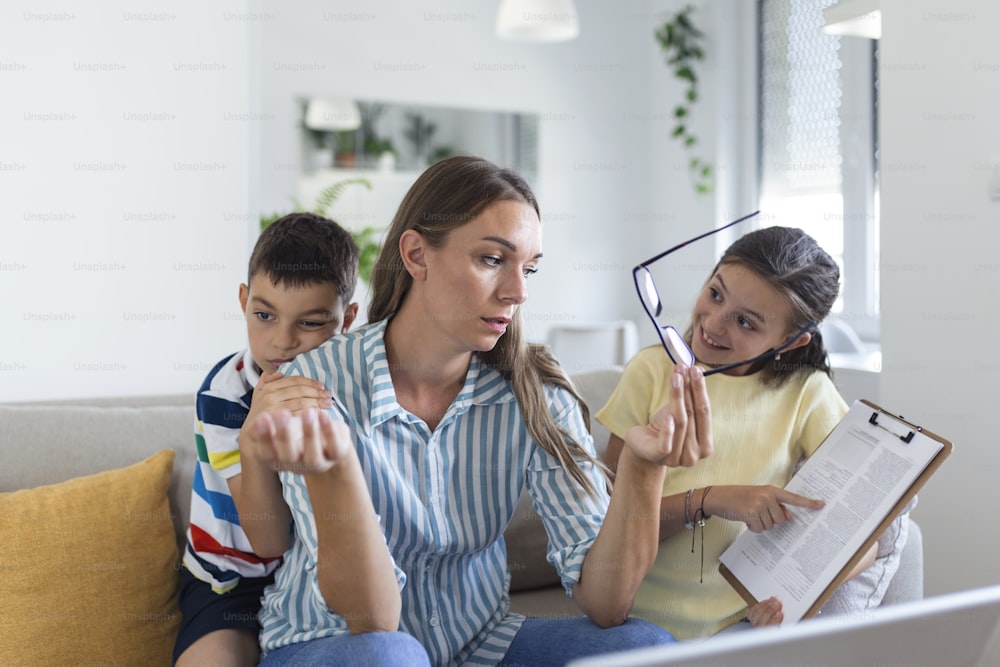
(951, 630)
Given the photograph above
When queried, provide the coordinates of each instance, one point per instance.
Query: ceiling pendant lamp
(855, 18)
(537, 20)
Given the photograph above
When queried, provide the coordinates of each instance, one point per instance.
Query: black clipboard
(905, 431)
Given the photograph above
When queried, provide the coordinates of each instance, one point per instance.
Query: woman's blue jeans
(539, 643)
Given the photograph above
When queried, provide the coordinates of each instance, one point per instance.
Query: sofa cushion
(90, 569)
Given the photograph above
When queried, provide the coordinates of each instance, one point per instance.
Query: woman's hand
(767, 612)
(309, 442)
(680, 433)
(759, 507)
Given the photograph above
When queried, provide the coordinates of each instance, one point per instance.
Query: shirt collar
(483, 386)
(251, 374)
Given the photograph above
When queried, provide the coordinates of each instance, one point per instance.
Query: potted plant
(383, 151)
(346, 148)
(419, 132)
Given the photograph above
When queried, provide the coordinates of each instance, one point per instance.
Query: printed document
(861, 470)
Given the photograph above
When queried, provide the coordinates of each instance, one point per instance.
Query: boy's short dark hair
(302, 249)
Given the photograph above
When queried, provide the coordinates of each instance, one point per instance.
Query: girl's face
(739, 315)
(476, 281)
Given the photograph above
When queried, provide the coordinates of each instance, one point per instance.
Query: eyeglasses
(675, 345)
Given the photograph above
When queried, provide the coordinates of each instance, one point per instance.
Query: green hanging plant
(367, 239)
(680, 40)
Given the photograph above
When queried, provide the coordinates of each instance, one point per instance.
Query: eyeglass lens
(679, 351)
(650, 297)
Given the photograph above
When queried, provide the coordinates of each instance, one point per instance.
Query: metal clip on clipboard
(907, 437)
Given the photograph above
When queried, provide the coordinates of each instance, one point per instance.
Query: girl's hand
(680, 433)
(310, 442)
(767, 612)
(759, 507)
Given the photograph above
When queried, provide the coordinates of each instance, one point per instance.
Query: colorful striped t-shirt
(218, 551)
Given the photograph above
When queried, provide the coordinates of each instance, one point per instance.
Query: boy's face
(284, 321)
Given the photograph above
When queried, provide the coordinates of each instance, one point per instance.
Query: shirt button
(435, 621)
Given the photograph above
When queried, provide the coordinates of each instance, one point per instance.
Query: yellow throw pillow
(88, 570)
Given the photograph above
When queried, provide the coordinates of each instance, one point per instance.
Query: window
(817, 146)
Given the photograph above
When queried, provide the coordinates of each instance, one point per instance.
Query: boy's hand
(309, 442)
(680, 433)
(295, 393)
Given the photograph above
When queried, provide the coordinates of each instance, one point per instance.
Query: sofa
(93, 509)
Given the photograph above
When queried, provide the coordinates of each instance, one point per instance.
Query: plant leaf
(679, 39)
(332, 192)
(368, 244)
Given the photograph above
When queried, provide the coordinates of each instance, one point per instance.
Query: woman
(399, 496)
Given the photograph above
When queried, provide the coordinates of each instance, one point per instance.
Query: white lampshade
(537, 20)
(333, 113)
(857, 18)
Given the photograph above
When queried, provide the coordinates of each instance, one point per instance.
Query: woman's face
(477, 279)
(738, 315)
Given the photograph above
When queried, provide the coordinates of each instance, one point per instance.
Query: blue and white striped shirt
(444, 499)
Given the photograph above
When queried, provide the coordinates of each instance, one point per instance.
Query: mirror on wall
(388, 144)
(374, 135)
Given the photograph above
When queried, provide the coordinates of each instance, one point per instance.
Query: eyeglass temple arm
(697, 238)
(767, 353)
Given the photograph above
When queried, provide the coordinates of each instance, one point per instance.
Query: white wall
(124, 182)
(940, 270)
(125, 236)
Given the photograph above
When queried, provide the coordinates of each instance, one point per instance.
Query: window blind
(801, 91)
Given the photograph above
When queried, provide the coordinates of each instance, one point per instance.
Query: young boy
(301, 279)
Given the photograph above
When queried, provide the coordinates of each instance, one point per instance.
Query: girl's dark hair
(450, 193)
(792, 262)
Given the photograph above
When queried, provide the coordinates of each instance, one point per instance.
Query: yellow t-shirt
(759, 433)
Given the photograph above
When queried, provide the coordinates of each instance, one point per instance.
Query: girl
(442, 414)
(767, 416)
